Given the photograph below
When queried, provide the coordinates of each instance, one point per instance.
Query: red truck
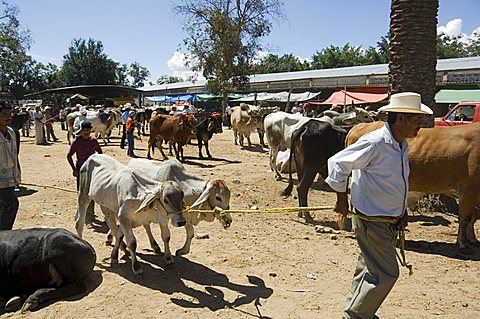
(461, 114)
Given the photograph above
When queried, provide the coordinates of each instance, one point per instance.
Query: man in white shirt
(9, 169)
(378, 162)
(39, 121)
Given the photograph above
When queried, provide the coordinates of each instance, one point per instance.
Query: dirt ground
(263, 266)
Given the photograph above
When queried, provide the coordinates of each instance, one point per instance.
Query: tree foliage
(166, 79)
(138, 74)
(224, 37)
(86, 63)
(286, 63)
(17, 73)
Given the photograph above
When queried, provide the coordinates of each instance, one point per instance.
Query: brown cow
(171, 128)
(444, 160)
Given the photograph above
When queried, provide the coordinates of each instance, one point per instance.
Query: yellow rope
(218, 210)
(398, 233)
(49, 186)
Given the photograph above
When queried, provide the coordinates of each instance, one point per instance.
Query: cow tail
(288, 191)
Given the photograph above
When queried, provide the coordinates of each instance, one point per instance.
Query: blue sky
(149, 32)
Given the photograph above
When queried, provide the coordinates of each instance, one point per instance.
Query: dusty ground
(262, 267)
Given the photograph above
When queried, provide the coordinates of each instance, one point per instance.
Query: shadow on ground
(174, 279)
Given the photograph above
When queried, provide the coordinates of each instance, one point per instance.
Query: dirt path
(264, 266)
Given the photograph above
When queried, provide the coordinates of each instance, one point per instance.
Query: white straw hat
(407, 102)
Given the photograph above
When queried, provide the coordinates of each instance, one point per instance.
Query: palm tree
(413, 40)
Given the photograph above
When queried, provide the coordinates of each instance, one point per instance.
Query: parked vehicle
(461, 114)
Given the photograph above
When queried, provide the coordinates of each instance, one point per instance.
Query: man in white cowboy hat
(378, 162)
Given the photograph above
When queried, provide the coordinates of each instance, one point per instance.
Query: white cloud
(177, 64)
(453, 28)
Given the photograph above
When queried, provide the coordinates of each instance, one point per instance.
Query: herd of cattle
(145, 192)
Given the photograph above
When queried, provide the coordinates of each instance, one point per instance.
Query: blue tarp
(171, 98)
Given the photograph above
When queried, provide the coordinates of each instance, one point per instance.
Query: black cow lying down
(41, 264)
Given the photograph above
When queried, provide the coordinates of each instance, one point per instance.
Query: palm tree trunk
(413, 40)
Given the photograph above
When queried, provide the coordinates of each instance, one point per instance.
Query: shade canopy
(278, 97)
(348, 97)
(457, 96)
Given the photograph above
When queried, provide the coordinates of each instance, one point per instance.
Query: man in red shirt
(84, 145)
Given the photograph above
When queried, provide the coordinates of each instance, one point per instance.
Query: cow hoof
(157, 250)
(29, 305)
(13, 304)
(138, 272)
(180, 252)
(465, 251)
(278, 178)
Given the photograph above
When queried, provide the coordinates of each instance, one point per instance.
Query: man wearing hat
(84, 146)
(378, 162)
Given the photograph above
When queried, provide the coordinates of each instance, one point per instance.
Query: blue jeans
(130, 143)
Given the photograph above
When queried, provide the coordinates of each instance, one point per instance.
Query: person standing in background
(9, 169)
(26, 124)
(48, 125)
(39, 119)
(130, 128)
(125, 117)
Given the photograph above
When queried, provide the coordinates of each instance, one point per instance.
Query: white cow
(129, 198)
(198, 193)
(102, 122)
(279, 127)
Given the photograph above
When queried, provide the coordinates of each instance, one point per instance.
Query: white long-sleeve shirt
(379, 170)
(9, 171)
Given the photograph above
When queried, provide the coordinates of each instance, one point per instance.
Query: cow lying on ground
(129, 198)
(42, 264)
(171, 128)
(206, 127)
(312, 145)
(444, 160)
(198, 193)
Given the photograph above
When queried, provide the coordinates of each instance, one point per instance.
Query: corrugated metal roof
(364, 70)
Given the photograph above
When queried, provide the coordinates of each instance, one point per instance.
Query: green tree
(122, 74)
(413, 40)
(16, 67)
(337, 57)
(286, 63)
(139, 74)
(86, 63)
(224, 38)
(473, 48)
(450, 47)
(378, 54)
(165, 79)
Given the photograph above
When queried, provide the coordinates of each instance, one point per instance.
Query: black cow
(312, 145)
(205, 129)
(42, 264)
